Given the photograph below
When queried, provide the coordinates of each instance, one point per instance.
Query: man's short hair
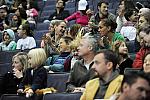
(132, 76)
(110, 56)
(93, 41)
(102, 1)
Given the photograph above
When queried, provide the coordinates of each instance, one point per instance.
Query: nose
(144, 94)
(93, 66)
(13, 65)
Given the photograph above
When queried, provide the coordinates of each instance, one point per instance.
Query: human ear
(109, 28)
(90, 48)
(125, 87)
(109, 65)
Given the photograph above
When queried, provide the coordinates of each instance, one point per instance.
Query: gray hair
(93, 41)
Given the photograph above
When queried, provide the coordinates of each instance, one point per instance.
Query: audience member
(124, 60)
(82, 16)
(26, 40)
(3, 15)
(135, 86)
(36, 76)
(146, 63)
(8, 42)
(124, 6)
(128, 30)
(60, 13)
(11, 80)
(107, 32)
(109, 80)
(145, 40)
(57, 64)
(81, 71)
(102, 14)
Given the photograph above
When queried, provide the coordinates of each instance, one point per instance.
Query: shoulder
(92, 82)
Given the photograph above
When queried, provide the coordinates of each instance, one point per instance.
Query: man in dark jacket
(60, 13)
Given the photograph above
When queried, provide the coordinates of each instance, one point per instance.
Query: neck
(88, 58)
(122, 97)
(107, 76)
(57, 10)
(110, 36)
(24, 36)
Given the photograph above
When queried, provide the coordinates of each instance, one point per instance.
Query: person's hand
(17, 73)
(78, 89)
(29, 93)
(121, 11)
(104, 41)
(66, 21)
(20, 91)
(89, 12)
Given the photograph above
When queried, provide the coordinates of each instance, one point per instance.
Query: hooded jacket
(12, 44)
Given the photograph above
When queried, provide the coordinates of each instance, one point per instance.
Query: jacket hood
(11, 33)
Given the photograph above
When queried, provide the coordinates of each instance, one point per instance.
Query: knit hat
(82, 5)
(11, 33)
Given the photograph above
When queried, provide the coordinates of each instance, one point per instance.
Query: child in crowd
(8, 42)
(11, 80)
(36, 76)
(27, 41)
(124, 61)
(62, 62)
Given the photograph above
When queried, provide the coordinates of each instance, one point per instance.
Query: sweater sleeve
(138, 63)
(71, 17)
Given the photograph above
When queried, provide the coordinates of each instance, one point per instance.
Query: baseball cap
(82, 5)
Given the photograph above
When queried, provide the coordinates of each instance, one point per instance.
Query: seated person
(8, 42)
(109, 80)
(135, 86)
(121, 49)
(81, 71)
(12, 79)
(36, 76)
(60, 13)
(57, 61)
(26, 40)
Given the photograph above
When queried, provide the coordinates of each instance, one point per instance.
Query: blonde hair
(38, 56)
(23, 58)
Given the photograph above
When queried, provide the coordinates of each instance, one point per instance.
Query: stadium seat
(58, 81)
(13, 97)
(62, 96)
(38, 34)
(6, 56)
(4, 68)
(19, 97)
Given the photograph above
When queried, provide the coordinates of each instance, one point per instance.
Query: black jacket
(37, 78)
(9, 84)
(61, 16)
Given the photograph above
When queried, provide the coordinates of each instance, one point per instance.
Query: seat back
(12, 97)
(62, 96)
(58, 81)
(4, 68)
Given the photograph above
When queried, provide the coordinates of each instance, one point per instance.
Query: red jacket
(138, 62)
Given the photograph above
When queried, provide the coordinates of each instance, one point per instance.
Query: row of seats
(48, 96)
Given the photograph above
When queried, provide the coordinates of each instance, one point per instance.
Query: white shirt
(129, 32)
(27, 43)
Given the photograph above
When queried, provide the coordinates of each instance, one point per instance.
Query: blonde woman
(12, 79)
(36, 76)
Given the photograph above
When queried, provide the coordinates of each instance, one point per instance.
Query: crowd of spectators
(95, 50)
